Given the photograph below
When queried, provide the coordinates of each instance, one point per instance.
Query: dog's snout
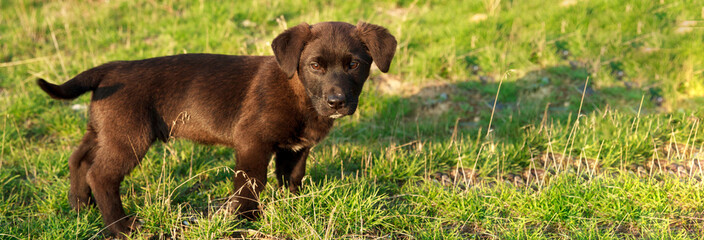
(336, 101)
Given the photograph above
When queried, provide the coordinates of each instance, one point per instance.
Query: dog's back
(170, 90)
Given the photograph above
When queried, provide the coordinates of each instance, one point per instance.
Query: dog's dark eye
(354, 65)
(315, 66)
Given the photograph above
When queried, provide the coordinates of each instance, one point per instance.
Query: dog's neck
(300, 92)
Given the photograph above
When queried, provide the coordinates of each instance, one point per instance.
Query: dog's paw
(80, 203)
(124, 228)
(250, 210)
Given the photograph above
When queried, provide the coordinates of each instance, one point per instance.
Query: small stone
(641, 171)
(628, 85)
(620, 74)
(586, 91)
(518, 180)
(486, 79)
(659, 101)
(544, 81)
(475, 69)
(443, 97)
(564, 54)
(576, 64)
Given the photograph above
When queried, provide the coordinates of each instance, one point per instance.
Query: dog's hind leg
(79, 194)
(118, 154)
(291, 167)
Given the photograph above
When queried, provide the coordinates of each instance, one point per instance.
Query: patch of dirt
(433, 99)
(251, 234)
(437, 99)
(672, 158)
(624, 229)
(559, 161)
(678, 150)
(389, 84)
(628, 229)
(554, 229)
(693, 225)
(474, 229)
(475, 96)
(462, 178)
(547, 164)
(661, 166)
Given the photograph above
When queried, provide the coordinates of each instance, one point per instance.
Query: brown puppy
(258, 105)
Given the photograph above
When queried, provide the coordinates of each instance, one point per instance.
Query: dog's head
(333, 60)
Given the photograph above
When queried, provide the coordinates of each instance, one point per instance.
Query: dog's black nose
(336, 101)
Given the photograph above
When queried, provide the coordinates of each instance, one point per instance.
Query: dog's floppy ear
(381, 44)
(288, 46)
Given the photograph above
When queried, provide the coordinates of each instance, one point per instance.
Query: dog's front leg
(291, 167)
(249, 181)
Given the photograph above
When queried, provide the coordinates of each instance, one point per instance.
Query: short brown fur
(258, 105)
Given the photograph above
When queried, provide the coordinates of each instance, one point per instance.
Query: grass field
(498, 119)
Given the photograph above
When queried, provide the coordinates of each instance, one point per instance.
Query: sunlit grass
(615, 157)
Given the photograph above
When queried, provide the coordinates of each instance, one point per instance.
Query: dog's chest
(312, 133)
(298, 144)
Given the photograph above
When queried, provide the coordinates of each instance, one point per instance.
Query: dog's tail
(84, 82)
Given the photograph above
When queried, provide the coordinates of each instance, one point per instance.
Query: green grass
(620, 161)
